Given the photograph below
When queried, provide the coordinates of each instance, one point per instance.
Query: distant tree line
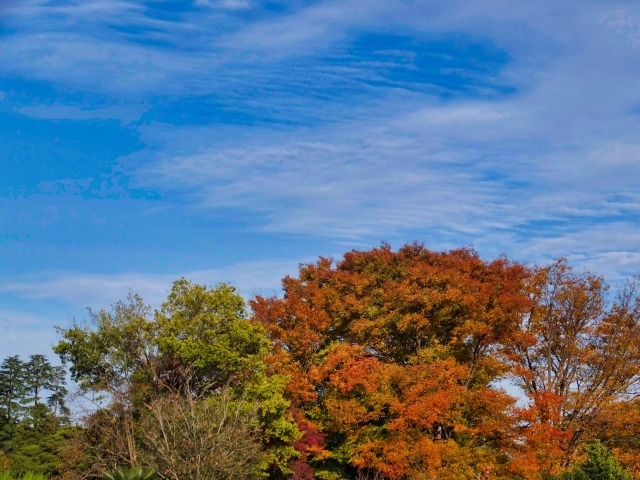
(33, 414)
(382, 365)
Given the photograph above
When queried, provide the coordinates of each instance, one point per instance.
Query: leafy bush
(599, 465)
(27, 476)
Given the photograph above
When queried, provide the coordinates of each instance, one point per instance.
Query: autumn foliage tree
(392, 356)
(382, 365)
(576, 354)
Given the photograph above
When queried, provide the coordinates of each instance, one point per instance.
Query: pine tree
(32, 431)
(12, 376)
(12, 372)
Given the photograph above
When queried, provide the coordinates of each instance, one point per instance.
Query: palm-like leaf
(134, 473)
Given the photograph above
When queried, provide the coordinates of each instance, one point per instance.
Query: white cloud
(235, 4)
(125, 112)
(561, 150)
(100, 290)
(25, 333)
(460, 115)
(101, 66)
(625, 24)
(618, 154)
(463, 167)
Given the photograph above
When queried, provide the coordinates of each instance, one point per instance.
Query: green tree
(36, 442)
(110, 351)
(40, 377)
(112, 357)
(12, 389)
(58, 393)
(32, 431)
(11, 408)
(197, 346)
(599, 465)
(206, 331)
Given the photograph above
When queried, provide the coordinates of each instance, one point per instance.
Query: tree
(36, 442)
(392, 356)
(198, 347)
(205, 332)
(599, 465)
(112, 355)
(576, 355)
(12, 389)
(32, 432)
(618, 427)
(39, 376)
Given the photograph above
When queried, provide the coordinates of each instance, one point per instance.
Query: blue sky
(231, 140)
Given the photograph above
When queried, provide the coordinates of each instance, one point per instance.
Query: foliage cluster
(383, 365)
(132, 473)
(395, 361)
(599, 465)
(184, 389)
(26, 476)
(33, 415)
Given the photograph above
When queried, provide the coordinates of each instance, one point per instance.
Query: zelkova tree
(391, 358)
(180, 384)
(577, 357)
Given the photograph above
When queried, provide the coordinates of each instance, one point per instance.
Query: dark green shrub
(599, 465)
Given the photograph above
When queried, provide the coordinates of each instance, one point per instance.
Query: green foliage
(39, 377)
(134, 473)
(12, 390)
(26, 476)
(278, 431)
(206, 329)
(106, 352)
(32, 432)
(197, 346)
(35, 442)
(599, 465)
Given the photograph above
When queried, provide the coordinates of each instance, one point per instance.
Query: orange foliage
(619, 428)
(391, 354)
(577, 355)
(393, 357)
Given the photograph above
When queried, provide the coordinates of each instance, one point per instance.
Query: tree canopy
(197, 352)
(385, 364)
(396, 359)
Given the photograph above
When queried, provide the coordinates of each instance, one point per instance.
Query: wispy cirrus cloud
(554, 156)
(24, 333)
(510, 127)
(100, 290)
